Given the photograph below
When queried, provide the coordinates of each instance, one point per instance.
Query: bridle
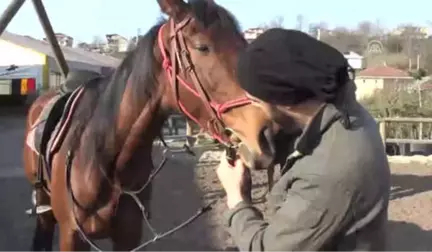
(215, 126)
(180, 57)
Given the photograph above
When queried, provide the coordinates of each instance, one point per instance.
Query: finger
(223, 157)
(239, 164)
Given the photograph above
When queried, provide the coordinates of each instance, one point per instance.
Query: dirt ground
(187, 183)
(410, 209)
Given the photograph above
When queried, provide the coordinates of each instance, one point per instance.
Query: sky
(84, 19)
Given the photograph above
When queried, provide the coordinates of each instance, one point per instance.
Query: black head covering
(288, 66)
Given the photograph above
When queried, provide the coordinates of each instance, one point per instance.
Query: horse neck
(138, 127)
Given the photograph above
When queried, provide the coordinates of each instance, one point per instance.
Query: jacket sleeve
(314, 211)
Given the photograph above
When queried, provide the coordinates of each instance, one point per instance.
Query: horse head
(198, 47)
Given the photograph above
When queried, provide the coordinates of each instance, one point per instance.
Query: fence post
(188, 128)
(421, 131)
(189, 133)
(382, 130)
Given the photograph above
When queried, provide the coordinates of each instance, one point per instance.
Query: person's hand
(234, 180)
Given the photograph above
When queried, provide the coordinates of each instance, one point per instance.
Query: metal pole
(49, 32)
(9, 13)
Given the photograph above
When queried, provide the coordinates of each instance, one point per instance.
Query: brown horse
(100, 134)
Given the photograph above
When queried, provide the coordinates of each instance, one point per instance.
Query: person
(333, 189)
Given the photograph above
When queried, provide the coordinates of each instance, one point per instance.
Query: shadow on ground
(405, 185)
(15, 227)
(176, 198)
(405, 236)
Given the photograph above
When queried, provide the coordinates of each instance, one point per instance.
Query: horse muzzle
(252, 158)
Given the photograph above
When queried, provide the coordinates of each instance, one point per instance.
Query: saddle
(49, 130)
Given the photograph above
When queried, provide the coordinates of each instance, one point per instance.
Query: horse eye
(203, 48)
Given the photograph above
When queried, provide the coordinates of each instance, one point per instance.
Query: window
(55, 79)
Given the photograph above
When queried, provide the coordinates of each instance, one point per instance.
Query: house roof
(383, 72)
(71, 54)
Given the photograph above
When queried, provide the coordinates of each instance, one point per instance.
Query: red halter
(215, 109)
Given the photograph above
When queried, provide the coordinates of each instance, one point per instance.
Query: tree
(83, 45)
(398, 103)
(97, 41)
(98, 44)
(394, 44)
(426, 55)
(300, 22)
(365, 28)
(276, 22)
(418, 74)
(344, 40)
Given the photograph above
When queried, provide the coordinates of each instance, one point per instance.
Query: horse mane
(99, 108)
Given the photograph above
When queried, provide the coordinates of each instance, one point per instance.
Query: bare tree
(300, 22)
(97, 45)
(365, 28)
(323, 25)
(344, 40)
(394, 44)
(83, 45)
(378, 29)
(276, 22)
(97, 41)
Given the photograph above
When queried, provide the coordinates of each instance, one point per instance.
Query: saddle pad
(59, 134)
(34, 137)
(55, 135)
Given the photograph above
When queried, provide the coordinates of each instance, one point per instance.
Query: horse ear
(176, 9)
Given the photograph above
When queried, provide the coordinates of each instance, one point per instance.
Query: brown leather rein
(180, 57)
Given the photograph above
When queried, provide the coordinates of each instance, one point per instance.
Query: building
(252, 33)
(381, 78)
(63, 39)
(355, 60)
(116, 43)
(27, 57)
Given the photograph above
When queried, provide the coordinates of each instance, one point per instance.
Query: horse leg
(44, 232)
(127, 222)
(126, 225)
(70, 239)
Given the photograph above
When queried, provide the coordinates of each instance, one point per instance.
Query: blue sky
(84, 19)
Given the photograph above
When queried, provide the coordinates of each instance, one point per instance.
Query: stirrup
(38, 210)
(35, 210)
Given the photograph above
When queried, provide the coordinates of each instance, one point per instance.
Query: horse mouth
(266, 158)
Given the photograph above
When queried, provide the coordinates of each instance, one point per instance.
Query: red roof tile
(383, 71)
